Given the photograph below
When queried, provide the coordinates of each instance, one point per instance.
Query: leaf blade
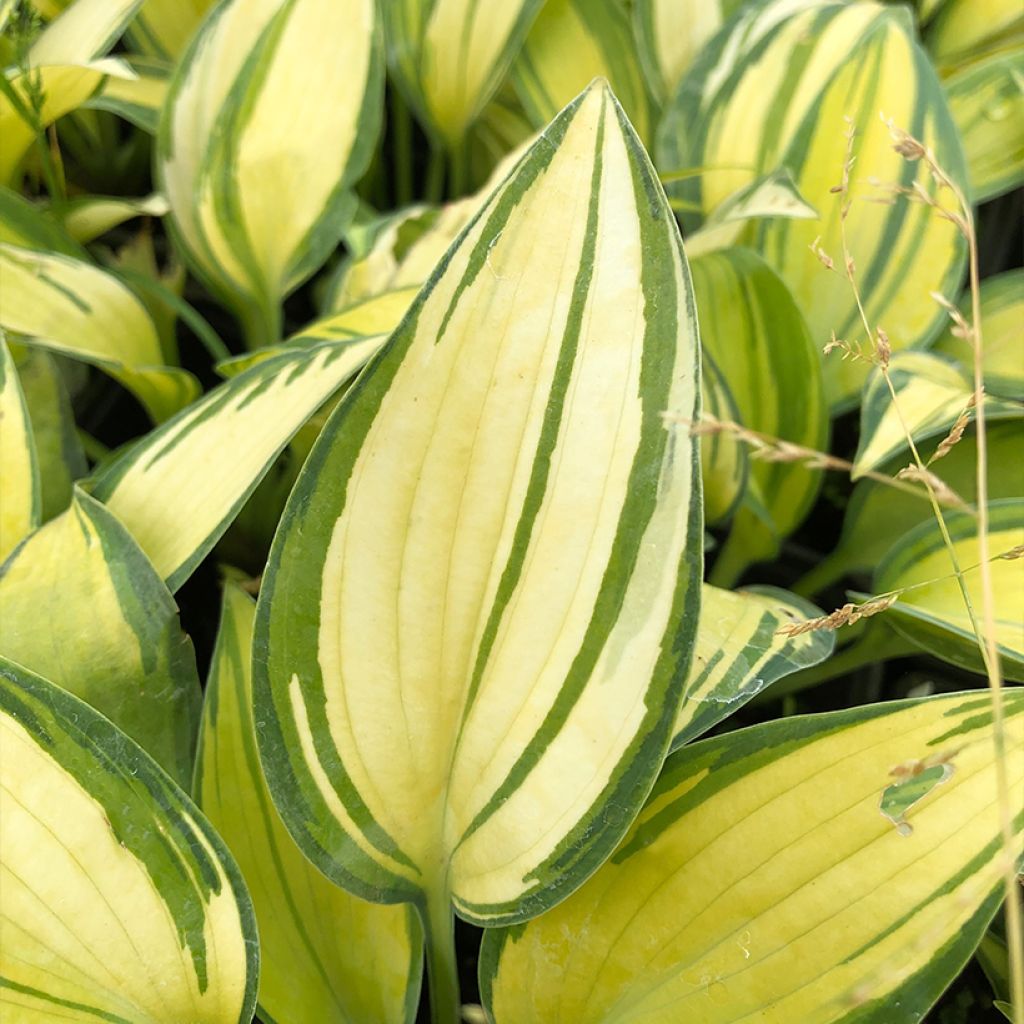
(267, 126)
(569, 45)
(736, 863)
(780, 79)
(327, 956)
(228, 439)
(22, 500)
(328, 762)
(740, 652)
(986, 99)
(449, 56)
(112, 638)
(151, 920)
(932, 614)
(69, 306)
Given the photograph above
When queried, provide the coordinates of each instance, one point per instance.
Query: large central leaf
(480, 604)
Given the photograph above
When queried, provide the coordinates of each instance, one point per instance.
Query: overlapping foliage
(424, 351)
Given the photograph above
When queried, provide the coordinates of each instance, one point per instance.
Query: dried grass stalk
(845, 616)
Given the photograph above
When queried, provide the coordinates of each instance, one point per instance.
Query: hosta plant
(511, 512)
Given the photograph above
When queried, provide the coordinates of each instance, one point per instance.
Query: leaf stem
(198, 324)
(401, 125)
(732, 561)
(459, 157)
(261, 323)
(831, 568)
(439, 939)
(435, 174)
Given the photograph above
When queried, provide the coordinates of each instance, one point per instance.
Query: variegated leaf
(57, 447)
(763, 880)
(206, 461)
(926, 9)
(88, 217)
(73, 307)
(118, 901)
(862, 544)
(377, 316)
(963, 29)
(931, 393)
(994, 958)
(571, 43)
(140, 98)
(19, 468)
(773, 195)
(403, 250)
(775, 89)
(377, 250)
(476, 621)
(271, 119)
(724, 465)
(754, 331)
(64, 87)
(502, 128)
(932, 613)
(327, 957)
(986, 99)
(449, 56)
(85, 30)
(163, 28)
(1002, 313)
(671, 33)
(740, 651)
(47, 9)
(29, 225)
(111, 632)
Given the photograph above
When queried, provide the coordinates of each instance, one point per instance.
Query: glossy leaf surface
(987, 102)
